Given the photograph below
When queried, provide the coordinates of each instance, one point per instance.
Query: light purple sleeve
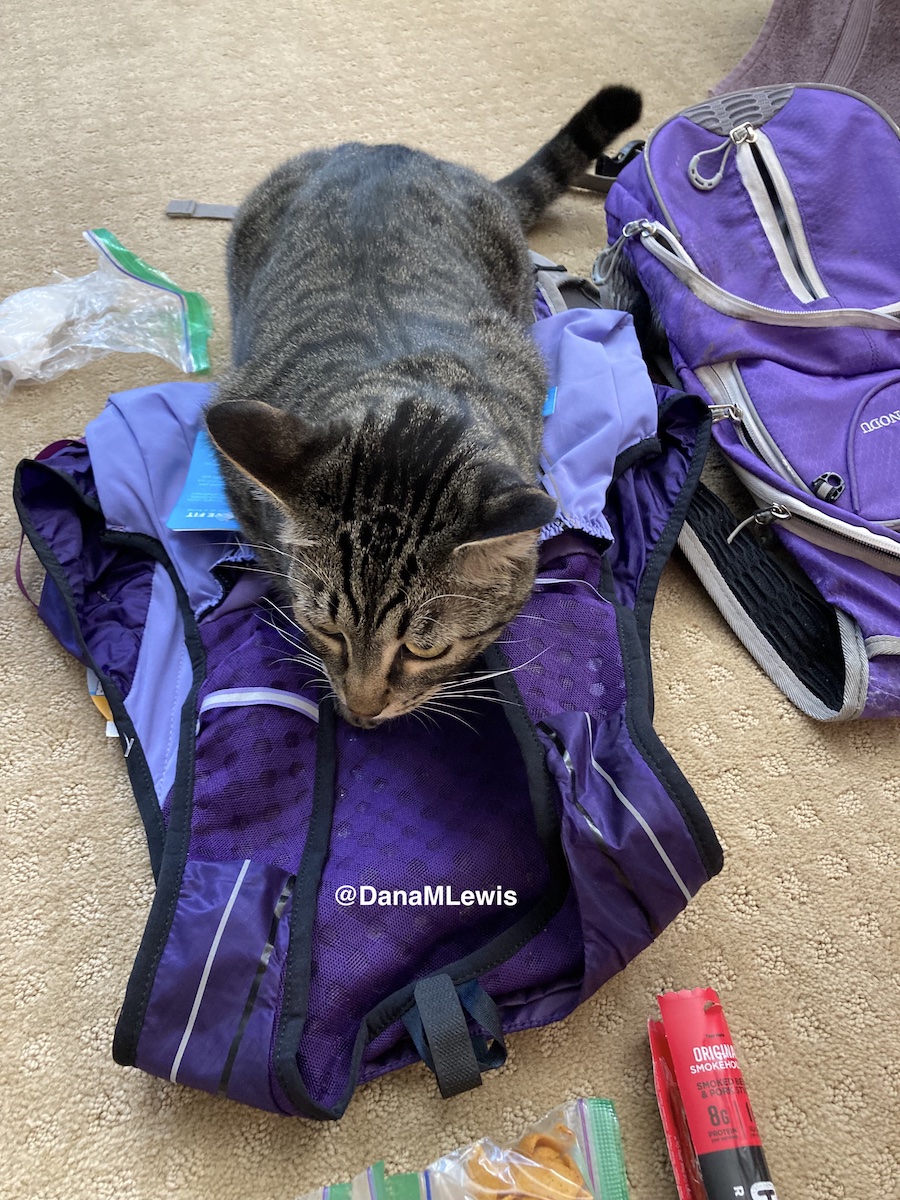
(604, 403)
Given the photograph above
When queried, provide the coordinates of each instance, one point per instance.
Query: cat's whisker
(426, 718)
(447, 596)
(272, 549)
(282, 633)
(486, 691)
(495, 674)
(284, 613)
(488, 697)
(430, 705)
(283, 574)
(266, 546)
(304, 653)
(314, 571)
(450, 709)
(263, 571)
(299, 662)
(314, 680)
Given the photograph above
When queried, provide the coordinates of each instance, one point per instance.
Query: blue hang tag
(549, 403)
(202, 503)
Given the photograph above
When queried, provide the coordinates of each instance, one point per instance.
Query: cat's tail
(547, 174)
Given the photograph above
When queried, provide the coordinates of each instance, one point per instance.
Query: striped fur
(380, 426)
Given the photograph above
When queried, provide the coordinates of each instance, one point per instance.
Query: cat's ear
(506, 536)
(516, 509)
(268, 444)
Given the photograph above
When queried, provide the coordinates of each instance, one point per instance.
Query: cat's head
(402, 547)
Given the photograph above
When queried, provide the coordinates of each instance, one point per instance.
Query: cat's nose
(361, 721)
(363, 711)
(364, 699)
(365, 714)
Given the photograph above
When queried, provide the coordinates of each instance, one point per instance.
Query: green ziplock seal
(367, 1185)
(403, 1187)
(604, 1151)
(377, 1184)
(196, 313)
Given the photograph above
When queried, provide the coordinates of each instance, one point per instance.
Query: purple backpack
(503, 869)
(763, 228)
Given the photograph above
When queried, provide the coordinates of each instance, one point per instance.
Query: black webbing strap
(439, 1029)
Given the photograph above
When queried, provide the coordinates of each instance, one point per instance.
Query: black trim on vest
(250, 1003)
(621, 878)
(135, 761)
(543, 794)
(634, 636)
(167, 847)
(645, 597)
(297, 970)
(178, 834)
(642, 449)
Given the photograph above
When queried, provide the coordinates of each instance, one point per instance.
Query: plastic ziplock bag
(367, 1185)
(124, 305)
(574, 1153)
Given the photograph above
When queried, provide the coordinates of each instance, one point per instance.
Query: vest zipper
(776, 207)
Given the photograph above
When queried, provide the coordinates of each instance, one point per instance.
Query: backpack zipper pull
(742, 133)
(703, 182)
(605, 262)
(723, 412)
(765, 516)
(633, 228)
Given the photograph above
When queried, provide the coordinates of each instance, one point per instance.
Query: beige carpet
(111, 109)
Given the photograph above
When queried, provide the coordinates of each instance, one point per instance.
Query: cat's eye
(331, 632)
(425, 652)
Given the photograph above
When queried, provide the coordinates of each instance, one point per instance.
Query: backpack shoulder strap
(561, 289)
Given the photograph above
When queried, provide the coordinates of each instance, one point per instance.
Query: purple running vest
(255, 978)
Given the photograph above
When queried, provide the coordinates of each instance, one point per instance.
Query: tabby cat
(380, 426)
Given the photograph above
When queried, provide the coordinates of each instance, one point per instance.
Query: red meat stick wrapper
(710, 1129)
